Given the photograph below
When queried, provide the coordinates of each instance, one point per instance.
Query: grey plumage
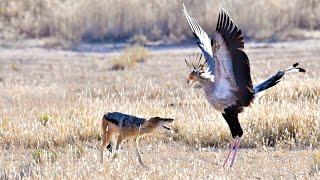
(227, 64)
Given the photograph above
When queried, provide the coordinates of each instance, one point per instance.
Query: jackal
(127, 126)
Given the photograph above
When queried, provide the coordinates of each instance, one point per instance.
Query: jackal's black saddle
(124, 120)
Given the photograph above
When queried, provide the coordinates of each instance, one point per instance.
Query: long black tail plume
(275, 79)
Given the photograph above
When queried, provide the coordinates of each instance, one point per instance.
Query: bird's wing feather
(232, 63)
(204, 42)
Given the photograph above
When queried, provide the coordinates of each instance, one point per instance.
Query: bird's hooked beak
(191, 81)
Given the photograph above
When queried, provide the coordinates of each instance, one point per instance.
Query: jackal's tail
(273, 80)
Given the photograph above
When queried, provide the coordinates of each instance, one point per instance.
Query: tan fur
(110, 129)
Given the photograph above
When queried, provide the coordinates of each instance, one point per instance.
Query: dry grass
(315, 169)
(72, 21)
(52, 107)
(130, 57)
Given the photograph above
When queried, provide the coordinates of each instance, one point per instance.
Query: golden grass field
(52, 102)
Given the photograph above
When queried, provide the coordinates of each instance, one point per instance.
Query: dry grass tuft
(14, 67)
(41, 156)
(79, 152)
(38, 155)
(129, 57)
(43, 119)
(315, 169)
(138, 39)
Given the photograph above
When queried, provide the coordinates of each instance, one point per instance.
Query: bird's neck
(206, 83)
(207, 86)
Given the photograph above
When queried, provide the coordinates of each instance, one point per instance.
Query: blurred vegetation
(129, 57)
(72, 21)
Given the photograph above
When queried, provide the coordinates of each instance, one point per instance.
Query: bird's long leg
(236, 147)
(233, 150)
(230, 151)
(228, 156)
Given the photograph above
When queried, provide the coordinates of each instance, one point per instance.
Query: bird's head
(199, 71)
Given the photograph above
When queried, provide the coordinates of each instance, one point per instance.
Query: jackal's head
(156, 122)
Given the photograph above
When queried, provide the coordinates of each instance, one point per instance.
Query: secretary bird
(225, 74)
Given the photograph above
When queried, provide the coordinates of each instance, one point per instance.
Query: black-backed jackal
(127, 126)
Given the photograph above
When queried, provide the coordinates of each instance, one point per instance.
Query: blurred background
(66, 23)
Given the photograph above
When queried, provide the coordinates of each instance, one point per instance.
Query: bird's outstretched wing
(234, 67)
(204, 42)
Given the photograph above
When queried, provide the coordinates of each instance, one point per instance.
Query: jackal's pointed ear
(168, 119)
(159, 119)
(155, 118)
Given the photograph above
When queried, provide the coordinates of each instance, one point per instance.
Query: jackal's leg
(119, 142)
(106, 137)
(138, 153)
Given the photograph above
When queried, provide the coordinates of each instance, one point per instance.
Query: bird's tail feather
(273, 80)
